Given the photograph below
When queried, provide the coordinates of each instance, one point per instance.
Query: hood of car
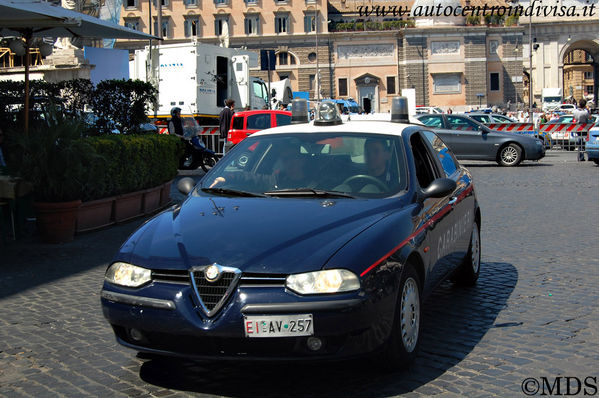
(262, 235)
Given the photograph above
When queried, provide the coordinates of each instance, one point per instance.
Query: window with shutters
(219, 24)
(252, 24)
(191, 3)
(191, 26)
(310, 22)
(282, 23)
(165, 27)
(132, 23)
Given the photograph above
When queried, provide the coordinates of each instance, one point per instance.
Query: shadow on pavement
(454, 321)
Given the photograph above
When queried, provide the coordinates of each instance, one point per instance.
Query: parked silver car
(469, 139)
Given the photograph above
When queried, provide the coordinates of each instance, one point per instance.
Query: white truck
(552, 98)
(198, 78)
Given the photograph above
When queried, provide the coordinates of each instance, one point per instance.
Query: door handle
(452, 200)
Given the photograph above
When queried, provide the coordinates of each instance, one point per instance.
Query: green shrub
(122, 104)
(136, 162)
(512, 20)
(473, 20)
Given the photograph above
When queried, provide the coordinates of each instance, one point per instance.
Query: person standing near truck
(224, 121)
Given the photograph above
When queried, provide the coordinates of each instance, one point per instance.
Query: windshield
(552, 99)
(343, 164)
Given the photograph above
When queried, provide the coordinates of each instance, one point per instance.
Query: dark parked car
(306, 242)
(469, 139)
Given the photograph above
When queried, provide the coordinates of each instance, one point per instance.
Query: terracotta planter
(56, 221)
(128, 206)
(165, 195)
(95, 214)
(152, 199)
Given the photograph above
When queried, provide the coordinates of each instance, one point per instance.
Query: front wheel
(596, 161)
(404, 341)
(510, 155)
(209, 162)
(467, 273)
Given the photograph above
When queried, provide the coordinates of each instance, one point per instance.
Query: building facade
(329, 50)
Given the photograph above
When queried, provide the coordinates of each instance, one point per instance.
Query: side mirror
(485, 130)
(185, 185)
(439, 188)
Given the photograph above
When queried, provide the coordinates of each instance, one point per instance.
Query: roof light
(327, 114)
(299, 111)
(399, 110)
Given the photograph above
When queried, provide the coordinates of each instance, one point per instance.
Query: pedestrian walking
(224, 121)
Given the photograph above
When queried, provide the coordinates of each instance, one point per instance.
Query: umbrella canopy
(45, 19)
(29, 18)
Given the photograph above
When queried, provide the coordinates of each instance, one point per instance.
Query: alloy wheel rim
(410, 314)
(509, 155)
(475, 244)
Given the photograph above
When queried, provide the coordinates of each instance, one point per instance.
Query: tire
(208, 162)
(509, 155)
(404, 341)
(596, 161)
(468, 272)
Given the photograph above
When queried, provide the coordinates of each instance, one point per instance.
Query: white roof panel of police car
(369, 127)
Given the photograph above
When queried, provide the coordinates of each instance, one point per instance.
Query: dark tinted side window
(445, 157)
(432, 120)
(283, 120)
(237, 123)
(424, 164)
(259, 122)
(481, 118)
(461, 123)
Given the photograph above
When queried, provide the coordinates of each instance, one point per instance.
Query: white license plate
(278, 325)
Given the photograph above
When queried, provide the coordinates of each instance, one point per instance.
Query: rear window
(237, 123)
(283, 120)
(258, 122)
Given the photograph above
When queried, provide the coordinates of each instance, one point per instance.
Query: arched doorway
(580, 69)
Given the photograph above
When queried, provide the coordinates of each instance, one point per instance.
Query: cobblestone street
(533, 313)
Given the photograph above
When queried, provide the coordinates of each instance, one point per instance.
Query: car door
(436, 213)
(470, 140)
(438, 124)
(458, 236)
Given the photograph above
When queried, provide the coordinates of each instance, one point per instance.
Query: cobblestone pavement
(534, 312)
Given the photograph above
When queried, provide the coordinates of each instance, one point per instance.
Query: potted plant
(61, 166)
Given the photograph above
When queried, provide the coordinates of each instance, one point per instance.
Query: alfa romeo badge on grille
(212, 273)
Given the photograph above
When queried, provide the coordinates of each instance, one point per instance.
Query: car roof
(367, 127)
(261, 111)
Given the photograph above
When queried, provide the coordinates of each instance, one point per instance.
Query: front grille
(171, 276)
(247, 279)
(212, 293)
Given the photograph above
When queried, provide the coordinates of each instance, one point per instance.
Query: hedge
(134, 162)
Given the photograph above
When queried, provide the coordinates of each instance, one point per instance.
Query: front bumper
(166, 319)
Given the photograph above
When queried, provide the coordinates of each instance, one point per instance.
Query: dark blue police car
(309, 241)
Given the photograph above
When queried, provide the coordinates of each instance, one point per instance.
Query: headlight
(128, 275)
(328, 281)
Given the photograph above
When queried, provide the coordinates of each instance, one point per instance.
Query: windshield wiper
(232, 192)
(308, 192)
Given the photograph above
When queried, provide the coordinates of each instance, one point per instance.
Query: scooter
(196, 153)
